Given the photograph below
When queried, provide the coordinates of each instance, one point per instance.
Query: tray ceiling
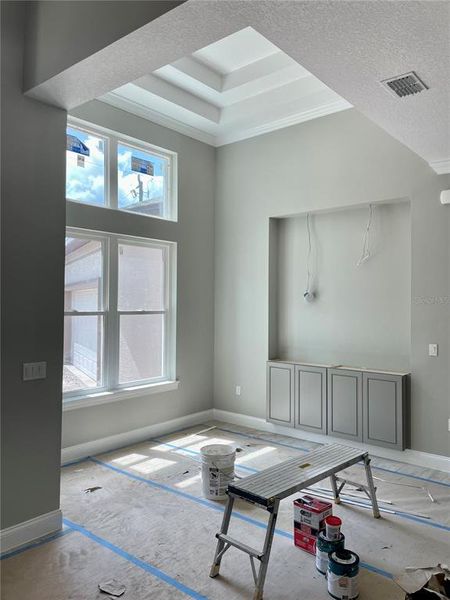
(238, 87)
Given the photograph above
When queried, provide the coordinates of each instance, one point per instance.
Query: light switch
(433, 349)
(36, 370)
(238, 390)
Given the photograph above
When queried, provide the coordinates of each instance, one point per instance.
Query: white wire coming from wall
(308, 258)
(365, 254)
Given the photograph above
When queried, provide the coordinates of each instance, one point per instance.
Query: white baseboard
(412, 457)
(29, 531)
(72, 453)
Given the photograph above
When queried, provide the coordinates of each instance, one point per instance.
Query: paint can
(343, 574)
(333, 527)
(323, 549)
(217, 470)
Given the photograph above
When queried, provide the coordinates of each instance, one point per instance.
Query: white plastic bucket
(217, 470)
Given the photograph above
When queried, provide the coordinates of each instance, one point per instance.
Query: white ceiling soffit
(233, 89)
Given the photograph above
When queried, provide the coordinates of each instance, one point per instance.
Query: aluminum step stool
(267, 488)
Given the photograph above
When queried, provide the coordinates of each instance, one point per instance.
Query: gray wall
(341, 160)
(79, 29)
(32, 247)
(361, 315)
(195, 280)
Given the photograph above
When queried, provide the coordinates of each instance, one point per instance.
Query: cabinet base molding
(412, 457)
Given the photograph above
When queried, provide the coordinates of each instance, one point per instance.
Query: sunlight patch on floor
(255, 454)
(183, 441)
(189, 481)
(207, 442)
(152, 465)
(129, 459)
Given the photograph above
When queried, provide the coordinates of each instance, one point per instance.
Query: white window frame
(111, 320)
(111, 141)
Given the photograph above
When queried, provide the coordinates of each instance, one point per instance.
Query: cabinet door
(311, 398)
(345, 404)
(280, 393)
(383, 403)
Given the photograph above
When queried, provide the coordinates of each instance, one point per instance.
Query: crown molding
(300, 117)
(140, 110)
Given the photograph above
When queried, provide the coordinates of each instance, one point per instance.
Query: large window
(119, 312)
(113, 171)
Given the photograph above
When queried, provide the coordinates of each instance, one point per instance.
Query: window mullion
(113, 318)
(113, 173)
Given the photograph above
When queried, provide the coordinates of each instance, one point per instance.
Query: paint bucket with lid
(323, 549)
(333, 527)
(217, 470)
(342, 575)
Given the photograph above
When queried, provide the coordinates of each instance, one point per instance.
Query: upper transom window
(115, 171)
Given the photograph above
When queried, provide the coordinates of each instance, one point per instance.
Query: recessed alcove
(360, 315)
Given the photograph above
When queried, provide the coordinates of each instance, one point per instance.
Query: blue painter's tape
(376, 570)
(36, 544)
(436, 481)
(399, 513)
(218, 507)
(135, 560)
(418, 477)
(162, 443)
(255, 437)
(187, 496)
(428, 522)
(74, 462)
(160, 486)
(147, 441)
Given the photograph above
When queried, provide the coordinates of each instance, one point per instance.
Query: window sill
(75, 203)
(138, 391)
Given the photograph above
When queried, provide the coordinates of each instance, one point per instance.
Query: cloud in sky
(152, 186)
(85, 181)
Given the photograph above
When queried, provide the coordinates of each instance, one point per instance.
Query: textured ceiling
(235, 88)
(349, 45)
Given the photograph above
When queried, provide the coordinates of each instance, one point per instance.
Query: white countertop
(338, 366)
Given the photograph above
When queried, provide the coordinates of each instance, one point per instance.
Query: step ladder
(267, 488)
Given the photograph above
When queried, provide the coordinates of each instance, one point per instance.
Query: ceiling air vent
(405, 85)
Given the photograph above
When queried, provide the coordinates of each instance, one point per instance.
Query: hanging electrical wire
(365, 254)
(308, 294)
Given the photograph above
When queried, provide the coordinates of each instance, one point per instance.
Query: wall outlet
(238, 390)
(433, 349)
(36, 370)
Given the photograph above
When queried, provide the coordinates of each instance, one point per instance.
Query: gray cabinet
(345, 404)
(280, 393)
(354, 404)
(310, 398)
(383, 409)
